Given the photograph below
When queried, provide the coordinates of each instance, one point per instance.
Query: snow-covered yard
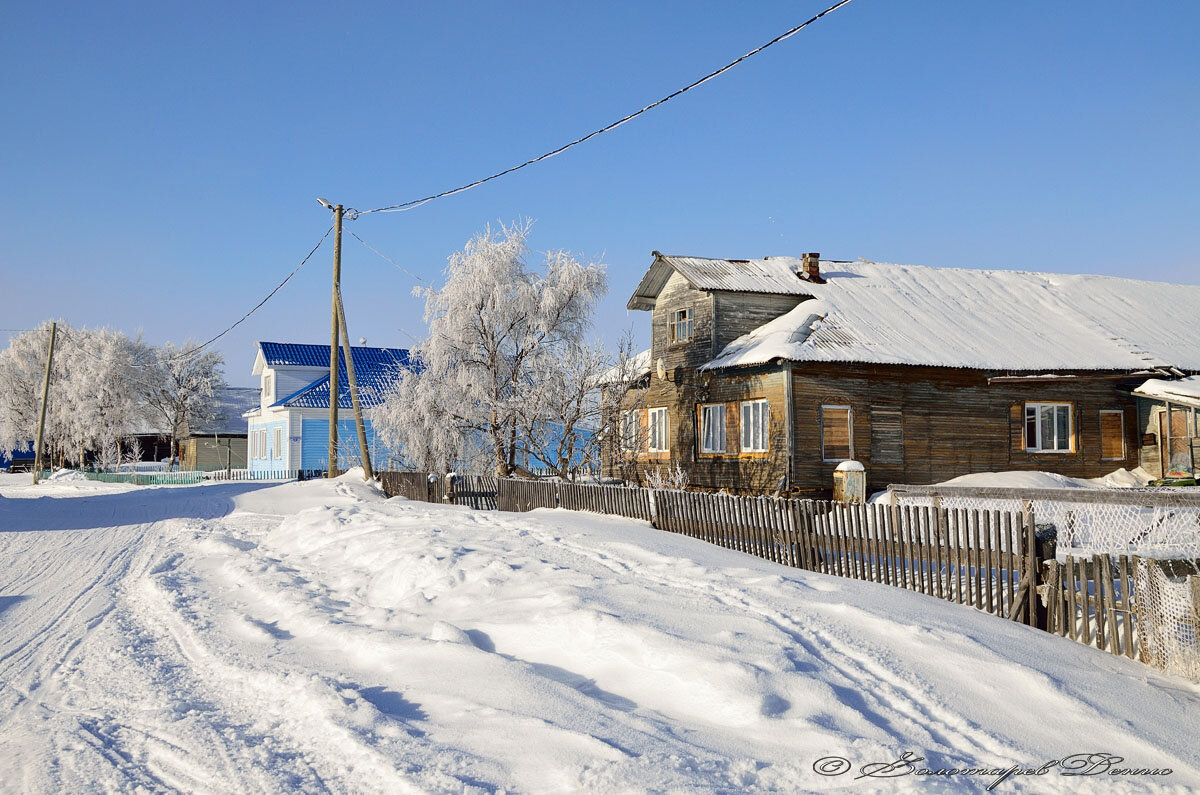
(316, 637)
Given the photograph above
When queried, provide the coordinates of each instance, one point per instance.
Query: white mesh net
(1167, 620)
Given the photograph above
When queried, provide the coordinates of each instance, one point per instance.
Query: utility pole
(37, 455)
(358, 417)
(333, 340)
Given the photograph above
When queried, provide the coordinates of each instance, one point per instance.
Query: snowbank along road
(316, 637)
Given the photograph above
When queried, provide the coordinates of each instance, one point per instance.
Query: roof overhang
(646, 294)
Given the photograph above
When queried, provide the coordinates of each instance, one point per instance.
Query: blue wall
(314, 444)
(275, 460)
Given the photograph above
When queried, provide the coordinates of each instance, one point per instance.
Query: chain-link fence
(1126, 570)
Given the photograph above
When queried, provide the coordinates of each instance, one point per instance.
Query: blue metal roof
(376, 369)
(296, 354)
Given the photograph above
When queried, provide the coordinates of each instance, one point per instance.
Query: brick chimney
(811, 268)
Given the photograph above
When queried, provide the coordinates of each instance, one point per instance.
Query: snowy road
(314, 637)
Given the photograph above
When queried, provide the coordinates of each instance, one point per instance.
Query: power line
(270, 295)
(190, 352)
(389, 259)
(408, 205)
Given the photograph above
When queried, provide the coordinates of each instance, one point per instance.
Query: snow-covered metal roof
(1185, 391)
(231, 404)
(984, 319)
(777, 275)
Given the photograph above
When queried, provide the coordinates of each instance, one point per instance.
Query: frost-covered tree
(94, 389)
(181, 390)
(493, 327)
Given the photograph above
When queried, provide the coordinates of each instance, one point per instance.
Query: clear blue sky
(160, 161)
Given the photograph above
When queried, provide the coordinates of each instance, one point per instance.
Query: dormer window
(681, 325)
(268, 386)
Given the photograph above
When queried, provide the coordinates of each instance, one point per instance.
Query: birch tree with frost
(494, 327)
(182, 392)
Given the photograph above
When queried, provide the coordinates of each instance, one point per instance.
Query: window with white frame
(756, 415)
(262, 443)
(629, 430)
(712, 428)
(278, 453)
(837, 433)
(681, 325)
(254, 444)
(659, 440)
(269, 387)
(1048, 427)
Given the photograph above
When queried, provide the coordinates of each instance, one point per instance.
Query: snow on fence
(1158, 523)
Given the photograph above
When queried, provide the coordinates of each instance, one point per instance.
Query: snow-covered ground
(313, 636)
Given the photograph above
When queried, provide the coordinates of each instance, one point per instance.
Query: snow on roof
(1185, 390)
(232, 402)
(985, 319)
(635, 366)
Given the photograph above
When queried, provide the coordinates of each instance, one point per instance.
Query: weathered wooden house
(770, 372)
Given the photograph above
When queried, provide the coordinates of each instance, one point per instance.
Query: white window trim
(278, 451)
(1124, 446)
(766, 430)
(849, 433)
(721, 437)
(630, 426)
(665, 446)
(269, 386)
(1036, 446)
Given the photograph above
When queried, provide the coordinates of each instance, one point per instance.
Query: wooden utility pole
(358, 417)
(333, 342)
(37, 455)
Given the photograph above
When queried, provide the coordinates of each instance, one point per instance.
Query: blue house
(290, 428)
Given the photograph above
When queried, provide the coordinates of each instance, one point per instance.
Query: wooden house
(766, 374)
(220, 443)
(289, 429)
(1169, 424)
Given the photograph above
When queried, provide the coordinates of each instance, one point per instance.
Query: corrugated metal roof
(981, 319)
(774, 275)
(375, 369)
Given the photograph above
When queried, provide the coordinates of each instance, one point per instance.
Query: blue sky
(161, 161)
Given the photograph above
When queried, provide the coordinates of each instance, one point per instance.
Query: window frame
(277, 452)
(703, 410)
(681, 317)
(269, 386)
(630, 426)
(665, 441)
(1039, 447)
(849, 432)
(764, 419)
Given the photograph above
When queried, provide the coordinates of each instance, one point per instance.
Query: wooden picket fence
(991, 560)
(614, 500)
(476, 491)
(985, 559)
(1091, 600)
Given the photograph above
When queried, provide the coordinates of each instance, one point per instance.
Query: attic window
(268, 386)
(681, 325)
